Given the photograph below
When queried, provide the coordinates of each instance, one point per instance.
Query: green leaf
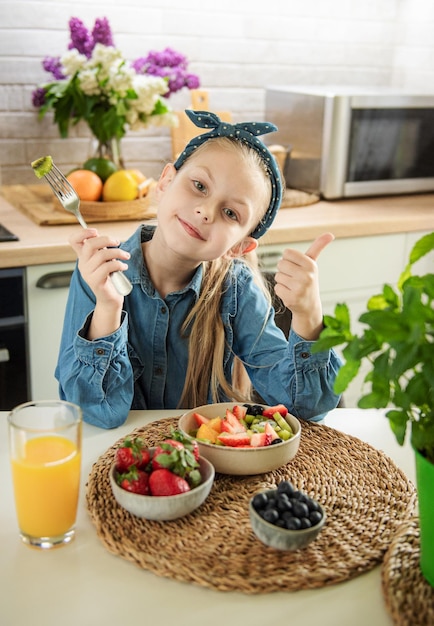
(345, 375)
(398, 423)
(424, 245)
(386, 324)
(388, 299)
(374, 400)
(327, 341)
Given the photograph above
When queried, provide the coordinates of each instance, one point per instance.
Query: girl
(196, 304)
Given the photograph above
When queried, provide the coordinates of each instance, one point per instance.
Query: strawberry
(258, 440)
(163, 482)
(239, 411)
(135, 480)
(234, 422)
(188, 443)
(200, 419)
(278, 408)
(132, 452)
(167, 448)
(269, 430)
(234, 440)
(180, 459)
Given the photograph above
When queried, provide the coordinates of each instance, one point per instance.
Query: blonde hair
(204, 325)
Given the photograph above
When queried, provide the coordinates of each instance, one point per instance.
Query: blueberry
(293, 523)
(312, 505)
(275, 441)
(305, 522)
(286, 516)
(284, 503)
(299, 509)
(286, 487)
(260, 501)
(297, 494)
(271, 515)
(254, 409)
(271, 501)
(315, 517)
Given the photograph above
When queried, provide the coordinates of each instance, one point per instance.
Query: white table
(82, 584)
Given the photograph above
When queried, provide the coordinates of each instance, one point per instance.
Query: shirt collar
(137, 270)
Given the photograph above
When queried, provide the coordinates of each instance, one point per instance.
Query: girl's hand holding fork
(98, 257)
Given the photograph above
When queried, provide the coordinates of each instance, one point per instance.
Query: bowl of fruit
(162, 482)
(244, 439)
(285, 518)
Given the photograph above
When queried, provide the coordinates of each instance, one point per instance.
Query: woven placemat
(365, 495)
(409, 597)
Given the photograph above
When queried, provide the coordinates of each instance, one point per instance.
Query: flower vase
(110, 149)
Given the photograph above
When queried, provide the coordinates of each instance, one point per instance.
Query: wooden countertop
(360, 217)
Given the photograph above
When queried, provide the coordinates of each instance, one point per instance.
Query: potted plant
(397, 339)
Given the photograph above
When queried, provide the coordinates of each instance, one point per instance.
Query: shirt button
(305, 355)
(158, 371)
(100, 351)
(163, 310)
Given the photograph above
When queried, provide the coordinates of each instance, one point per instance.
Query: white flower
(121, 81)
(89, 82)
(72, 61)
(148, 90)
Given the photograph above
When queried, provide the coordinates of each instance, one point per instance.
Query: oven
(14, 369)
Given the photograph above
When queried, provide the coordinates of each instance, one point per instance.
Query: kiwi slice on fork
(42, 166)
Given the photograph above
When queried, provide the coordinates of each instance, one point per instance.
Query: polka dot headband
(248, 133)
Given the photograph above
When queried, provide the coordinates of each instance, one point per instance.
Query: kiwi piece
(42, 166)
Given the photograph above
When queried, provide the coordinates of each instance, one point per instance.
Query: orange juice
(46, 482)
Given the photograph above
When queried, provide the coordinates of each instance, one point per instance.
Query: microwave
(348, 142)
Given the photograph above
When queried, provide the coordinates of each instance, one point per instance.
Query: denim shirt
(142, 365)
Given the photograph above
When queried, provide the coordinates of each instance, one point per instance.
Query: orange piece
(216, 424)
(87, 184)
(207, 433)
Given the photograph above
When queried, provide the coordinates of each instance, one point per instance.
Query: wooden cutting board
(186, 130)
(40, 205)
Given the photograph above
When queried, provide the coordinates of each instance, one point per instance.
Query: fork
(70, 201)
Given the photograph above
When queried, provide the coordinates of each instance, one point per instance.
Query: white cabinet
(352, 270)
(47, 292)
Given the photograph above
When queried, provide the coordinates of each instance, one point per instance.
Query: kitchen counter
(345, 218)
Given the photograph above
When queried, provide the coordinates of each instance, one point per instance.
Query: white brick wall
(237, 48)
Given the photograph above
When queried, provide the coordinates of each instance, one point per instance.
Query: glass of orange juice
(45, 454)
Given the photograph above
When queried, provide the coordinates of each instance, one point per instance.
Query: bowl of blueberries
(285, 518)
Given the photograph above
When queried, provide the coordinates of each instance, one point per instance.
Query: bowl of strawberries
(243, 439)
(162, 482)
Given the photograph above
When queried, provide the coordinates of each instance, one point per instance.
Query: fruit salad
(245, 426)
(168, 470)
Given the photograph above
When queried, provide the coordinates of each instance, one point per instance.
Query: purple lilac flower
(81, 39)
(38, 97)
(54, 66)
(102, 33)
(167, 64)
(192, 81)
(139, 65)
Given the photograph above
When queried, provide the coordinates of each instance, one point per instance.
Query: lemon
(102, 167)
(137, 174)
(120, 186)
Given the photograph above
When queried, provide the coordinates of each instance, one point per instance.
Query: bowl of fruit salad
(162, 482)
(285, 518)
(243, 439)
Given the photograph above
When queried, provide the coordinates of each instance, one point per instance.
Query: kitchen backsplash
(237, 48)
